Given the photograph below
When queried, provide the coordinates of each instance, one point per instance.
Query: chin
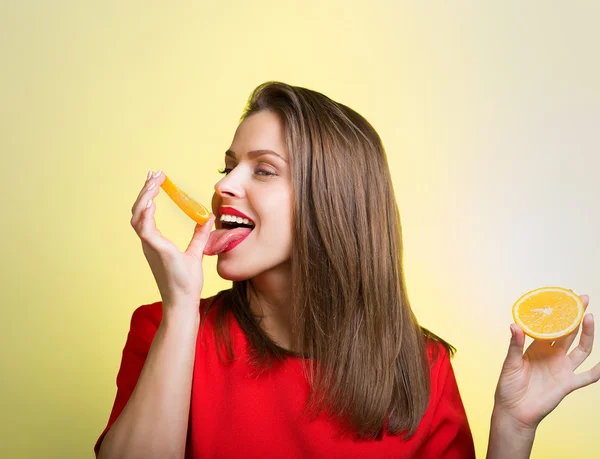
(231, 273)
(236, 272)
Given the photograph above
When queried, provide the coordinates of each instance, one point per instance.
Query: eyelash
(228, 170)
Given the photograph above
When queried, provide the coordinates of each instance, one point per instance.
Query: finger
(146, 183)
(200, 238)
(156, 179)
(587, 377)
(586, 342)
(147, 230)
(145, 225)
(565, 342)
(143, 203)
(514, 358)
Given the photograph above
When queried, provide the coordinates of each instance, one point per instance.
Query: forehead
(260, 131)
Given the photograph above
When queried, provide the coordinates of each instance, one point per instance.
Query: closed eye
(262, 172)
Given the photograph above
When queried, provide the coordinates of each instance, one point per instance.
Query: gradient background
(489, 114)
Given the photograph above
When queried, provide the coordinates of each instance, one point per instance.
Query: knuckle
(144, 236)
(135, 223)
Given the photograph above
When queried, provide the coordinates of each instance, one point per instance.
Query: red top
(236, 414)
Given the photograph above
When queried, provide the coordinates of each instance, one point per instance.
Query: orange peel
(195, 211)
(548, 313)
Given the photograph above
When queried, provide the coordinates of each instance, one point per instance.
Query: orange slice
(195, 211)
(548, 313)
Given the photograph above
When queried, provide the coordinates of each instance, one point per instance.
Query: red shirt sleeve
(450, 435)
(144, 324)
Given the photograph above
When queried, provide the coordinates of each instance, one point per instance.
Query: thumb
(515, 348)
(200, 238)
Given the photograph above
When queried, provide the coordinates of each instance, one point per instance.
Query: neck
(270, 301)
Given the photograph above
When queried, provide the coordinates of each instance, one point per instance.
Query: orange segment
(195, 211)
(548, 312)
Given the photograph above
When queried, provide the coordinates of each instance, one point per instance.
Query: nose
(229, 186)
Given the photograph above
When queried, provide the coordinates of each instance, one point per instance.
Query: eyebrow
(255, 154)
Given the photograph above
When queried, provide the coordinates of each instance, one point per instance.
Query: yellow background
(489, 113)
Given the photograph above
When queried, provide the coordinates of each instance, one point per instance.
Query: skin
(261, 188)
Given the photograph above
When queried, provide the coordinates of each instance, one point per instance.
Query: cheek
(281, 216)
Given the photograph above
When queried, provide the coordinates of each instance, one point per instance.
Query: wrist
(505, 421)
(181, 314)
(509, 438)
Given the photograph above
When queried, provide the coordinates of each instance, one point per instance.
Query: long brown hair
(350, 309)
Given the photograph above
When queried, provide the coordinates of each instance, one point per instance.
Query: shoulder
(147, 316)
(447, 428)
(440, 366)
(437, 350)
(146, 319)
(153, 312)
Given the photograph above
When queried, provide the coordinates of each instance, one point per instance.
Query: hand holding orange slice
(548, 313)
(195, 211)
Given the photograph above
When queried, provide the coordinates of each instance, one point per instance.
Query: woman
(314, 351)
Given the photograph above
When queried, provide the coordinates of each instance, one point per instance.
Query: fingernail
(152, 186)
(149, 175)
(149, 203)
(157, 173)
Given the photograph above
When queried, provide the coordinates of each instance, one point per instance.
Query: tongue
(220, 239)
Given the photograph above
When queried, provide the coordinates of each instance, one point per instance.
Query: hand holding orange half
(195, 211)
(534, 382)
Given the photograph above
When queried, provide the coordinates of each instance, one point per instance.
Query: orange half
(548, 313)
(195, 211)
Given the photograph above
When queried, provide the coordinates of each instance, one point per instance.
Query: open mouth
(231, 222)
(231, 232)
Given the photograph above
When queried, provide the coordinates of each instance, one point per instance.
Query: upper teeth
(233, 219)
